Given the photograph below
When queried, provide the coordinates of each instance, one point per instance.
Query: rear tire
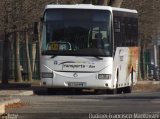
(127, 89)
(119, 91)
(98, 91)
(76, 91)
(113, 91)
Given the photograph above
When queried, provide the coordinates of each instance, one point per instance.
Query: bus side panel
(125, 65)
(126, 48)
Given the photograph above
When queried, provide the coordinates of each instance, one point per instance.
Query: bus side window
(118, 30)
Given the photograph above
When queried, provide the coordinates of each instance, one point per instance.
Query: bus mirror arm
(99, 58)
(41, 19)
(53, 56)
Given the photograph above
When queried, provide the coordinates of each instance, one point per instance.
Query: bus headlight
(47, 74)
(104, 76)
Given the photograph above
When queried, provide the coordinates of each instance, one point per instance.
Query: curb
(2, 108)
(25, 93)
(12, 101)
(148, 82)
(7, 102)
(16, 93)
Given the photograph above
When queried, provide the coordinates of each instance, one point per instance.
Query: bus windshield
(79, 32)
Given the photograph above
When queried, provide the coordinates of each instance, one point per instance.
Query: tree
(5, 66)
(28, 58)
(18, 76)
(4, 27)
(113, 3)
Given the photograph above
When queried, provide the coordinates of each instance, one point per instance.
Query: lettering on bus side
(78, 66)
(73, 66)
(92, 66)
(121, 58)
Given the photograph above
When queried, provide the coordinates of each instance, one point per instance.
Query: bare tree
(113, 3)
(4, 26)
(18, 76)
(16, 22)
(5, 71)
(28, 58)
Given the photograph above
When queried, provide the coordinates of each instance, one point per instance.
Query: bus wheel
(51, 91)
(100, 91)
(76, 91)
(113, 91)
(127, 89)
(119, 90)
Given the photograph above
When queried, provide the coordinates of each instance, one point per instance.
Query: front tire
(127, 89)
(112, 91)
(51, 91)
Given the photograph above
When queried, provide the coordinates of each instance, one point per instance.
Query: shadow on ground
(38, 90)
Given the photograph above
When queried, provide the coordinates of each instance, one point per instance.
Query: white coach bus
(89, 47)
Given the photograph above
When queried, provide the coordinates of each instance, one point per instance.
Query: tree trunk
(28, 58)
(139, 62)
(39, 49)
(116, 3)
(144, 64)
(5, 71)
(18, 76)
(113, 3)
(103, 2)
(96, 2)
(87, 1)
(33, 56)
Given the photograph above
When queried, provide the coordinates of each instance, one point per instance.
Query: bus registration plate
(76, 84)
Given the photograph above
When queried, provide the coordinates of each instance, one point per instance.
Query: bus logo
(75, 75)
(55, 62)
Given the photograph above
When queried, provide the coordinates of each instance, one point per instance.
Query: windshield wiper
(53, 56)
(99, 58)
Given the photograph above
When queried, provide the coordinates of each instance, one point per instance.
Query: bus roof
(87, 6)
(124, 10)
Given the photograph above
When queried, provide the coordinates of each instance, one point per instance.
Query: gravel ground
(146, 87)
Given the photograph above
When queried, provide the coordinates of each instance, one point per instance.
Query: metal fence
(148, 68)
(1, 57)
(33, 53)
(35, 62)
